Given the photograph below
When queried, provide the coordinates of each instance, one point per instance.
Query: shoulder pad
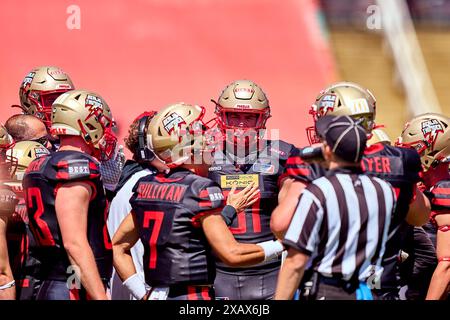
(440, 199)
(411, 159)
(208, 192)
(298, 169)
(72, 166)
(280, 148)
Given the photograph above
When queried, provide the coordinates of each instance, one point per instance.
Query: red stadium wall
(145, 54)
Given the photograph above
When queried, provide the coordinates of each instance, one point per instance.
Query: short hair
(132, 140)
(21, 128)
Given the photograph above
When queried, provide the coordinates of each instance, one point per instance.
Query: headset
(143, 153)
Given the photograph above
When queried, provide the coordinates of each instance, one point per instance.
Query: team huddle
(209, 210)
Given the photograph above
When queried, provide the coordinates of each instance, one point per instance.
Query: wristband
(228, 214)
(272, 249)
(136, 286)
(8, 285)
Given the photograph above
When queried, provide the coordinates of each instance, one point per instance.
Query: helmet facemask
(42, 104)
(105, 147)
(242, 127)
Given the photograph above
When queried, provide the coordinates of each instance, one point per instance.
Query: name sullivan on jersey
(164, 192)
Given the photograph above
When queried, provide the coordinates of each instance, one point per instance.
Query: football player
(178, 216)
(429, 134)
(144, 162)
(8, 203)
(40, 88)
(66, 202)
(399, 166)
(244, 157)
(18, 234)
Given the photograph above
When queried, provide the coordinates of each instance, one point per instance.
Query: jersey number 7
(157, 217)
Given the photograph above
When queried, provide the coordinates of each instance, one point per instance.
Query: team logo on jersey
(327, 103)
(264, 168)
(28, 79)
(172, 121)
(216, 168)
(431, 129)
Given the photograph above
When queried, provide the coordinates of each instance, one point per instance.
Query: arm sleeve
(297, 169)
(303, 231)
(72, 167)
(209, 200)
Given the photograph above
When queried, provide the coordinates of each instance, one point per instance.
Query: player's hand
(244, 198)
(8, 202)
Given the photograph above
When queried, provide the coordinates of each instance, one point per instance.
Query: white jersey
(119, 209)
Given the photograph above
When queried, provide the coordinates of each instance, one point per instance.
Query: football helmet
(344, 98)
(429, 134)
(85, 114)
(176, 133)
(26, 152)
(241, 107)
(379, 135)
(8, 163)
(40, 88)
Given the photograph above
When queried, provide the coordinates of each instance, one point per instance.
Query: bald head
(24, 127)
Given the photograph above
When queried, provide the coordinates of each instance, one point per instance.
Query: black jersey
(398, 166)
(167, 209)
(265, 168)
(439, 196)
(42, 180)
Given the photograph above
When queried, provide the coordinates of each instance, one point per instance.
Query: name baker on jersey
(164, 192)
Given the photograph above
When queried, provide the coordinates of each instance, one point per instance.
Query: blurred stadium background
(144, 54)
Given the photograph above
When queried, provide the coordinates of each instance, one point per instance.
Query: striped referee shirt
(342, 222)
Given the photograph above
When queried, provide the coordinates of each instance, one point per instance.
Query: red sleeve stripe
(204, 194)
(295, 160)
(62, 164)
(94, 170)
(196, 219)
(203, 204)
(439, 191)
(441, 202)
(298, 172)
(62, 175)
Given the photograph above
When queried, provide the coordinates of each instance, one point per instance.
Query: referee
(341, 222)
